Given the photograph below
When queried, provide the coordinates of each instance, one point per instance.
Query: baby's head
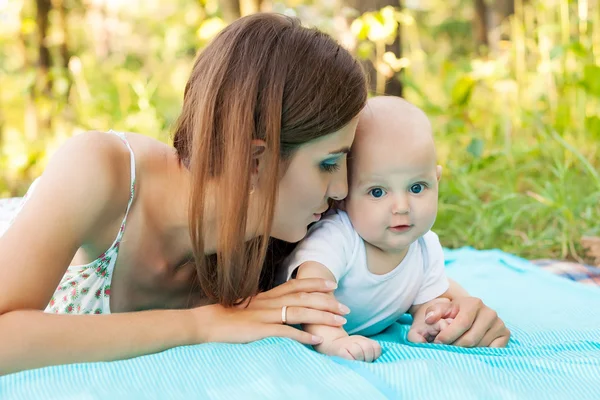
(393, 175)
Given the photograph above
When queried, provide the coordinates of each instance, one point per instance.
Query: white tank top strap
(123, 138)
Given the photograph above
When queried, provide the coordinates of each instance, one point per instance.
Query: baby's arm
(433, 290)
(336, 341)
(311, 269)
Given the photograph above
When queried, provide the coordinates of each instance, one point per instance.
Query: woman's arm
(80, 193)
(33, 339)
(84, 189)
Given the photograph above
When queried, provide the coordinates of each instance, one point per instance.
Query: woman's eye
(417, 188)
(377, 192)
(329, 166)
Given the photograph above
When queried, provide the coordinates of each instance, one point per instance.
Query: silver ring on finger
(284, 315)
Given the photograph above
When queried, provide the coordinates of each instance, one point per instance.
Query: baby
(380, 249)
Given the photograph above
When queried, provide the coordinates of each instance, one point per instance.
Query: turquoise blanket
(554, 353)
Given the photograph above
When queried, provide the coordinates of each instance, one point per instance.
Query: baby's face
(393, 187)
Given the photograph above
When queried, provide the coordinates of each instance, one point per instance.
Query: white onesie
(375, 301)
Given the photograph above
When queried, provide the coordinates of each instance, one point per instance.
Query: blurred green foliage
(517, 124)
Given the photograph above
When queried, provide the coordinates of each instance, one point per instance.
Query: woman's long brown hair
(263, 77)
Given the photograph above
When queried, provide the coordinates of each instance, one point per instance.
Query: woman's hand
(474, 324)
(262, 316)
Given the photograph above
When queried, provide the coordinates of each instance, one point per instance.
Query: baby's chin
(396, 242)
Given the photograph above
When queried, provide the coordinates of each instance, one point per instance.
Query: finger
(437, 328)
(497, 330)
(436, 311)
(431, 331)
(461, 324)
(317, 301)
(344, 353)
(367, 346)
(298, 335)
(451, 312)
(299, 315)
(373, 351)
(415, 337)
(484, 322)
(357, 351)
(377, 349)
(502, 341)
(300, 285)
(444, 323)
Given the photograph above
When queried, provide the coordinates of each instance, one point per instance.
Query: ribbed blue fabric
(554, 353)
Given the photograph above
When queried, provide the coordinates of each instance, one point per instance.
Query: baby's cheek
(371, 226)
(363, 218)
(428, 216)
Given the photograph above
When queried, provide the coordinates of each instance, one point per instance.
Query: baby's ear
(438, 172)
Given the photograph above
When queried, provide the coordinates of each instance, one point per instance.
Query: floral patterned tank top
(85, 289)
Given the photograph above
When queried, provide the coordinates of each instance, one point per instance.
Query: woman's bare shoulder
(94, 162)
(83, 190)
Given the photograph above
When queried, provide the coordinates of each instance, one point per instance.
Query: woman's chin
(290, 235)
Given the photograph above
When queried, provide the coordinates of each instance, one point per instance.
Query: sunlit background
(512, 88)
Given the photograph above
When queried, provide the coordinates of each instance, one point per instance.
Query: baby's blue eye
(417, 188)
(377, 192)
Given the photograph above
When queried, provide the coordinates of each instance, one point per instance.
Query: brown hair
(263, 77)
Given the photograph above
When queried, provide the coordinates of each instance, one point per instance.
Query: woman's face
(316, 172)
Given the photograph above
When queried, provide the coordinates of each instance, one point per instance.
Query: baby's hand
(426, 333)
(423, 332)
(354, 347)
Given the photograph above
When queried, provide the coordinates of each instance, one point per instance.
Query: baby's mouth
(400, 228)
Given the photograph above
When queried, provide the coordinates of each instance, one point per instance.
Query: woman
(269, 112)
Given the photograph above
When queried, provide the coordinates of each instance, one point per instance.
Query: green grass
(536, 203)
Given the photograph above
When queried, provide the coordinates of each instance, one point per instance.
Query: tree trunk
(496, 15)
(30, 119)
(65, 54)
(45, 81)
(392, 86)
(231, 10)
(480, 25)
